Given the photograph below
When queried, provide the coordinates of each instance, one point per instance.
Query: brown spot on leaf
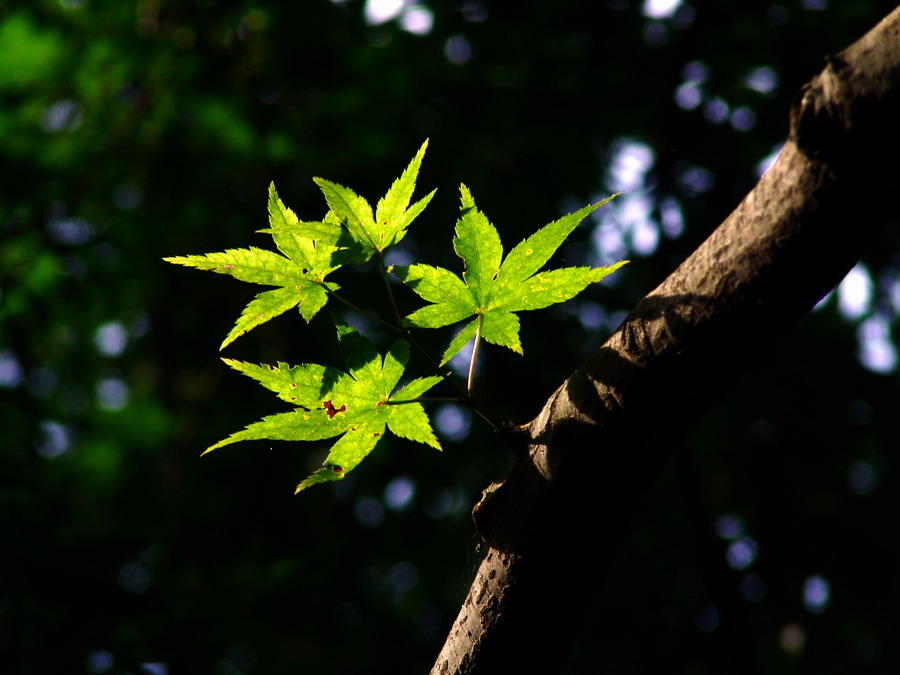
(331, 411)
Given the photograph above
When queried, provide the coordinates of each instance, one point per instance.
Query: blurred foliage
(134, 130)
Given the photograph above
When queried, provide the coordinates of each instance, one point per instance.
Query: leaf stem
(465, 396)
(426, 399)
(356, 308)
(470, 383)
(390, 292)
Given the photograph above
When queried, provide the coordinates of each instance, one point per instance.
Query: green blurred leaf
(28, 54)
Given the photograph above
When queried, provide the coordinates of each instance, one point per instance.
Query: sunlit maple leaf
(358, 405)
(492, 289)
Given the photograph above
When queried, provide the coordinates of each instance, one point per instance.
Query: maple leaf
(491, 290)
(357, 405)
(372, 233)
(299, 273)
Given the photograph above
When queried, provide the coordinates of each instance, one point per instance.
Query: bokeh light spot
(127, 197)
(380, 11)
(134, 577)
(70, 231)
(862, 477)
(688, 95)
(631, 160)
(816, 594)
(450, 501)
(762, 79)
(111, 394)
(473, 11)
(609, 240)
(660, 9)
(709, 619)
(399, 493)
(53, 439)
(10, 370)
(369, 512)
(99, 661)
(110, 338)
(458, 49)
(591, 315)
(695, 71)
(644, 236)
(729, 526)
(742, 553)
(716, 110)
(671, 217)
(792, 639)
(453, 422)
(694, 179)
(403, 577)
(877, 351)
(855, 293)
(656, 33)
(62, 115)
(743, 119)
(417, 20)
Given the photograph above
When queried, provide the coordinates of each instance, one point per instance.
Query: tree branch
(603, 437)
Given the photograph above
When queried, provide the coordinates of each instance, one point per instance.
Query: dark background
(130, 131)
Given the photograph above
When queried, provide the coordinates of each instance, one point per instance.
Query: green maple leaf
(357, 405)
(491, 290)
(299, 273)
(370, 232)
(349, 233)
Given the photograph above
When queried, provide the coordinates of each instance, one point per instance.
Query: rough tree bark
(602, 438)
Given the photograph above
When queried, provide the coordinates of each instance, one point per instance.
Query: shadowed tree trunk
(603, 437)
